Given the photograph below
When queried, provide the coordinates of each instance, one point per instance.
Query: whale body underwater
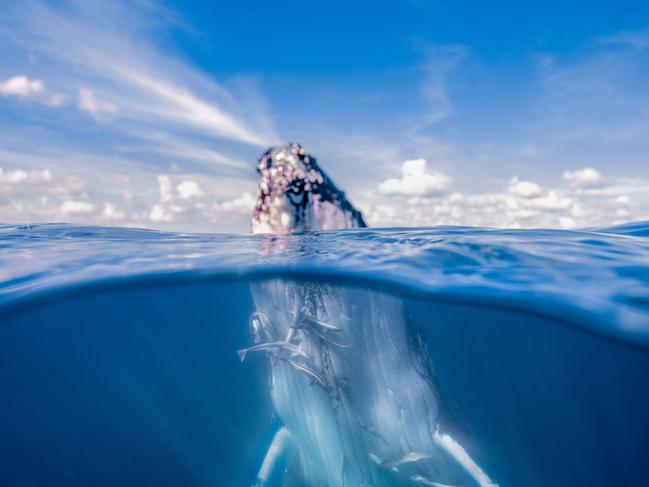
(350, 378)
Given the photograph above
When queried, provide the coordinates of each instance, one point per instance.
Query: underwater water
(383, 357)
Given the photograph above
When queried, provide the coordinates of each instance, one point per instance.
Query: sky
(152, 114)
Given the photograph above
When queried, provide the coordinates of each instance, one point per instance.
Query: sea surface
(119, 364)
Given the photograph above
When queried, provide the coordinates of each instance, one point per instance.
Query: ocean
(126, 359)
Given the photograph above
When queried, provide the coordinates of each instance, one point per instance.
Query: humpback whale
(349, 378)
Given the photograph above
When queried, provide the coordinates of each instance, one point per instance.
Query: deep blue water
(118, 361)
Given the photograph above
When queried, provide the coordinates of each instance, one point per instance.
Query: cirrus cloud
(117, 72)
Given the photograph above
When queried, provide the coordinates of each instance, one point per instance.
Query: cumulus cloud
(28, 195)
(551, 201)
(583, 178)
(242, 205)
(192, 202)
(112, 213)
(24, 87)
(19, 176)
(159, 214)
(526, 189)
(585, 201)
(416, 180)
(169, 202)
(73, 207)
(623, 200)
(20, 86)
(189, 189)
(187, 201)
(90, 103)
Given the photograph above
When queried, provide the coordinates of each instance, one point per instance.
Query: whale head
(294, 195)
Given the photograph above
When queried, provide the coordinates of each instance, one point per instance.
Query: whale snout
(294, 194)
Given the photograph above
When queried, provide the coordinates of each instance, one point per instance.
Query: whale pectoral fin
(460, 455)
(271, 470)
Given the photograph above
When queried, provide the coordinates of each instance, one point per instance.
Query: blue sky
(152, 114)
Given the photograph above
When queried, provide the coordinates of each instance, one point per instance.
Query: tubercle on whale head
(294, 194)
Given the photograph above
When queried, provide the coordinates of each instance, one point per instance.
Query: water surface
(119, 365)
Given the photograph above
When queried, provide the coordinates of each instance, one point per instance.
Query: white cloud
(20, 86)
(189, 189)
(519, 205)
(623, 200)
(567, 222)
(88, 102)
(160, 214)
(111, 213)
(187, 201)
(191, 202)
(551, 201)
(526, 189)
(583, 178)
(241, 205)
(416, 180)
(19, 176)
(73, 207)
